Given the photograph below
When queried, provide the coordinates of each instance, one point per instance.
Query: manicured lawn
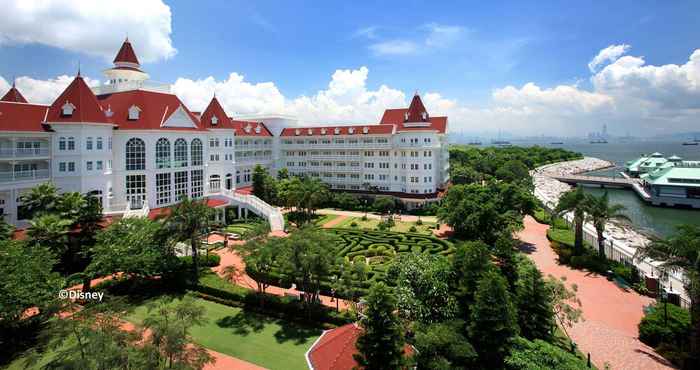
(562, 236)
(321, 220)
(265, 341)
(242, 227)
(401, 226)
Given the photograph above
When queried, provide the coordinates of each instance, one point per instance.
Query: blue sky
(463, 51)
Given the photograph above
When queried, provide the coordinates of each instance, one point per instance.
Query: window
(135, 155)
(197, 184)
(162, 188)
(109, 143)
(71, 166)
(135, 190)
(180, 154)
(67, 109)
(196, 148)
(88, 143)
(71, 143)
(98, 165)
(99, 143)
(62, 143)
(62, 167)
(134, 113)
(180, 185)
(163, 153)
(88, 165)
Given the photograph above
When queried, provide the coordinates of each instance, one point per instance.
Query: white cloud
(607, 55)
(368, 32)
(42, 91)
(564, 99)
(92, 27)
(442, 36)
(394, 47)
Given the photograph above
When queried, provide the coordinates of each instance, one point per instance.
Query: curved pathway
(611, 313)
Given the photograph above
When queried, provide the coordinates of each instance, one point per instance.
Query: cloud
(441, 36)
(91, 27)
(394, 47)
(563, 99)
(434, 36)
(368, 32)
(609, 54)
(42, 91)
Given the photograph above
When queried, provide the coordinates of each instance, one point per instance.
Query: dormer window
(323, 131)
(134, 112)
(336, 131)
(310, 132)
(297, 132)
(67, 109)
(405, 116)
(247, 129)
(351, 130)
(365, 130)
(214, 120)
(424, 115)
(257, 129)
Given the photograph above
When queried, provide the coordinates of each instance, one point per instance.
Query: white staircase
(257, 205)
(139, 212)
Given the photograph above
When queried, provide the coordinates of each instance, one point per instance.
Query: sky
(524, 68)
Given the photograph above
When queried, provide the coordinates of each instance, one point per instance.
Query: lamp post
(664, 297)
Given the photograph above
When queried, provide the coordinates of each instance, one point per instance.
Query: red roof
(342, 130)
(161, 212)
(396, 117)
(22, 117)
(335, 348)
(214, 109)
(13, 95)
(155, 109)
(126, 54)
(86, 108)
(248, 128)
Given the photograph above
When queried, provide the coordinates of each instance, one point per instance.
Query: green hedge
(211, 260)
(670, 339)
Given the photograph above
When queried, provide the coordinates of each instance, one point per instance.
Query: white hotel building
(133, 144)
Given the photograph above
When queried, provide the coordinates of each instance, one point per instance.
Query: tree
(381, 343)
(170, 343)
(534, 302)
(469, 262)
(346, 201)
(464, 175)
(493, 320)
(283, 174)
(513, 171)
(42, 198)
(681, 252)
(259, 258)
(422, 288)
(306, 257)
(384, 205)
(574, 201)
(600, 212)
(348, 283)
(565, 305)
(442, 346)
(538, 354)
(50, 230)
(306, 195)
(260, 182)
(508, 258)
(134, 246)
(189, 220)
(6, 230)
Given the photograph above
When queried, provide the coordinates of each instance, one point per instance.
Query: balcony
(24, 153)
(13, 176)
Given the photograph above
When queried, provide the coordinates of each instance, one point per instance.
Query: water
(656, 220)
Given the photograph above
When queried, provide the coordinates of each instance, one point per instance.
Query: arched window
(135, 155)
(163, 153)
(180, 153)
(196, 148)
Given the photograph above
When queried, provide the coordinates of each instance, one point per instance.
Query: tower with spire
(126, 74)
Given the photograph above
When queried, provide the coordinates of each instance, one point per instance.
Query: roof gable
(179, 118)
(13, 95)
(214, 116)
(158, 111)
(126, 54)
(86, 108)
(22, 117)
(416, 111)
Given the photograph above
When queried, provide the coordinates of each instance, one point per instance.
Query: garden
(421, 227)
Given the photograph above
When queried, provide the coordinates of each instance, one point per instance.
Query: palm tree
(190, 220)
(50, 231)
(6, 230)
(41, 198)
(574, 201)
(600, 212)
(681, 252)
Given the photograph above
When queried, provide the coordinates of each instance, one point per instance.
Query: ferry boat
(599, 141)
(556, 143)
(667, 182)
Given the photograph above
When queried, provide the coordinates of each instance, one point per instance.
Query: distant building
(671, 181)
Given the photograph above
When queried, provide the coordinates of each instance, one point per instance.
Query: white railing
(131, 85)
(24, 153)
(273, 214)
(12, 176)
(138, 212)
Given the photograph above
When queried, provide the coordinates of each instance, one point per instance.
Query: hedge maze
(379, 248)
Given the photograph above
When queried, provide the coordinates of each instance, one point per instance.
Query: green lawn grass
(262, 340)
(562, 236)
(369, 224)
(321, 220)
(401, 226)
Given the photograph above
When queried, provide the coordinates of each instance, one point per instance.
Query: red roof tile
(126, 54)
(398, 117)
(155, 109)
(214, 109)
(249, 128)
(86, 107)
(416, 111)
(372, 129)
(13, 95)
(22, 117)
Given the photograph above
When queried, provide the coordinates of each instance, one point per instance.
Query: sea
(653, 220)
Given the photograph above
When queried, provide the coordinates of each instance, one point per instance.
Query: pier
(602, 181)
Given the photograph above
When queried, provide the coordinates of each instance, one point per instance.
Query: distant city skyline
(549, 68)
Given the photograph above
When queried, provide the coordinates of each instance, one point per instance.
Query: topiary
(413, 229)
(353, 224)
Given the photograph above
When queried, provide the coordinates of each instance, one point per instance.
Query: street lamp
(664, 297)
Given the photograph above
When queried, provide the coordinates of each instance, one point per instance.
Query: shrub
(419, 222)
(654, 331)
(364, 217)
(353, 224)
(210, 260)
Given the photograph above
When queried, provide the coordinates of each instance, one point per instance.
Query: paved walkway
(407, 218)
(334, 222)
(611, 313)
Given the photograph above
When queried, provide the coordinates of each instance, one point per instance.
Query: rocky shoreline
(549, 190)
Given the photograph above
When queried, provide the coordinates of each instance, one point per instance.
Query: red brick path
(611, 313)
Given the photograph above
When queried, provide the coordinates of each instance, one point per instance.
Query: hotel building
(134, 144)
